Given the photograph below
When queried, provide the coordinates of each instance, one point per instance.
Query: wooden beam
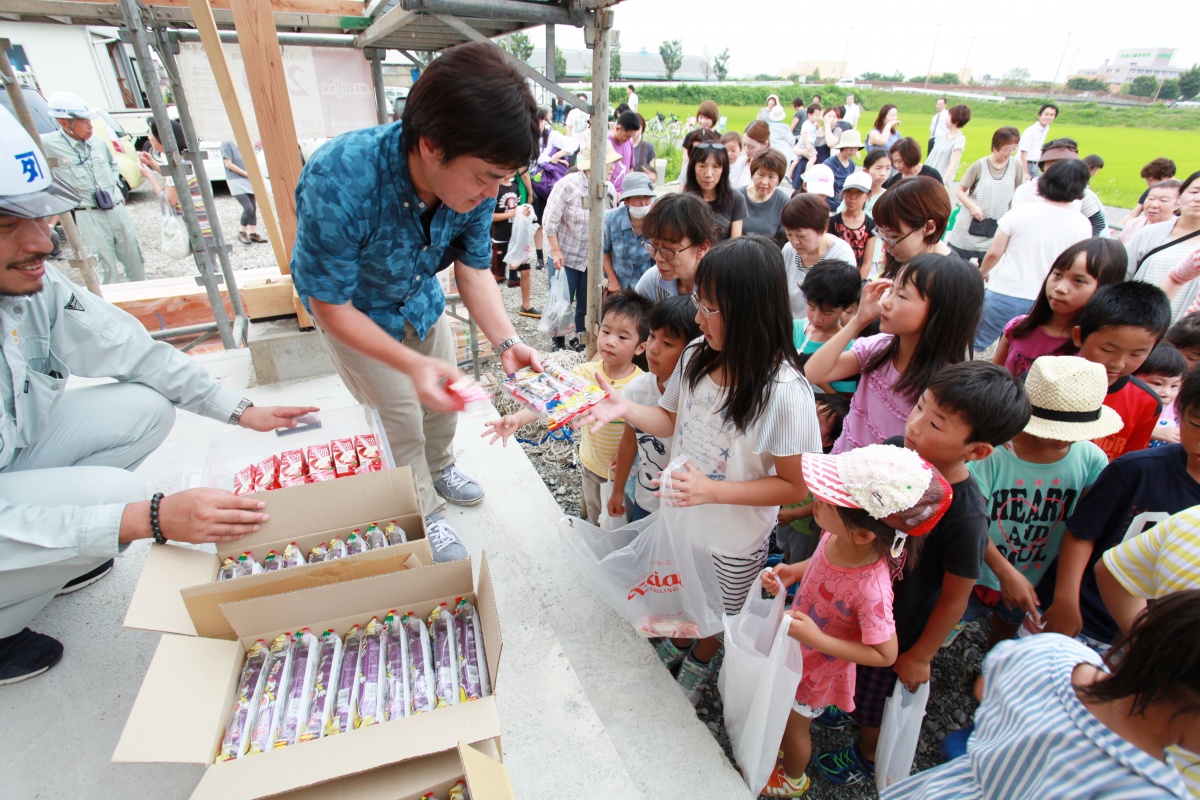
(341, 8)
(388, 23)
(517, 10)
(273, 110)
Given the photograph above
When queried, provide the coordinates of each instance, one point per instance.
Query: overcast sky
(761, 37)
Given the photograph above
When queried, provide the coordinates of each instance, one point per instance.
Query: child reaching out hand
(872, 503)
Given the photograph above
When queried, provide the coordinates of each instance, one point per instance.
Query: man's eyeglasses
(703, 309)
(709, 146)
(665, 253)
(893, 242)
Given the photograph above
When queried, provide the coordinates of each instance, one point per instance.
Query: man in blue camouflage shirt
(379, 212)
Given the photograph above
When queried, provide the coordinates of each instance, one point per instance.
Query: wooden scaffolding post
(597, 184)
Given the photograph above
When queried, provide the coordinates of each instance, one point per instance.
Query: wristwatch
(236, 416)
(508, 344)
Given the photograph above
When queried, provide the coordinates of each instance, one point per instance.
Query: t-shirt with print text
(1139, 407)
(653, 451)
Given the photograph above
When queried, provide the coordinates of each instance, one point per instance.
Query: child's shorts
(984, 601)
(736, 575)
(872, 687)
(796, 546)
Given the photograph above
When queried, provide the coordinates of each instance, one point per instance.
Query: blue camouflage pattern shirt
(359, 236)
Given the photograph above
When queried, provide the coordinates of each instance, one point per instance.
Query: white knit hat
(1067, 394)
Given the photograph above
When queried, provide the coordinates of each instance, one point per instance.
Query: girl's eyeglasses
(893, 242)
(665, 253)
(703, 309)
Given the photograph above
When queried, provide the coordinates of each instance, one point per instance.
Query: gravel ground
(951, 703)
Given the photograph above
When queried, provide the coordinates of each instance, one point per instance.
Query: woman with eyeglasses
(910, 219)
(678, 232)
(708, 177)
(986, 193)
(806, 220)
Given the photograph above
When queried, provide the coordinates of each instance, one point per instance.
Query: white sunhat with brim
(1067, 394)
(819, 180)
(27, 187)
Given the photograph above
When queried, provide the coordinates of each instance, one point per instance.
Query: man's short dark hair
(677, 315)
(1064, 181)
(631, 88)
(632, 306)
(1094, 161)
(988, 398)
(629, 121)
(1048, 105)
(1134, 304)
(1164, 361)
(1188, 400)
(837, 285)
(473, 81)
(797, 102)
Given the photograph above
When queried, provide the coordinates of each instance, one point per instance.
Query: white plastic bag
(649, 571)
(899, 732)
(606, 522)
(559, 317)
(524, 226)
(176, 243)
(758, 681)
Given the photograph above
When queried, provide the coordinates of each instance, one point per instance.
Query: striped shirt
(566, 219)
(1035, 740)
(597, 450)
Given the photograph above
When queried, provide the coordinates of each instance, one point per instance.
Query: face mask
(637, 212)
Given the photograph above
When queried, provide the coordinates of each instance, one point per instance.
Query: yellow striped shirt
(597, 450)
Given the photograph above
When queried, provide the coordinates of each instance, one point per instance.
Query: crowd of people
(908, 427)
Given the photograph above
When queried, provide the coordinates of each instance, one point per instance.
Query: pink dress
(848, 604)
(877, 412)
(1022, 352)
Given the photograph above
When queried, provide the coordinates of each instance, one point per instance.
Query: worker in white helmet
(69, 501)
(87, 165)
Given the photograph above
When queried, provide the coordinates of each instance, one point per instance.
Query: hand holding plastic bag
(559, 317)
(520, 244)
(898, 734)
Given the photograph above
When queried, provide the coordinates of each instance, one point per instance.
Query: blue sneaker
(844, 767)
(955, 742)
(834, 719)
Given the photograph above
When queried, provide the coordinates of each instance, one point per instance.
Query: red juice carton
(292, 469)
(319, 459)
(367, 447)
(345, 458)
(266, 474)
(243, 480)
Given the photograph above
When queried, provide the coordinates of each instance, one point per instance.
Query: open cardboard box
(186, 699)
(178, 591)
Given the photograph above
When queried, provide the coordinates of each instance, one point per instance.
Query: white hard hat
(65, 105)
(27, 188)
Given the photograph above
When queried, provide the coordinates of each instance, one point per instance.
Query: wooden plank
(259, 44)
(176, 302)
(341, 8)
(303, 318)
(388, 23)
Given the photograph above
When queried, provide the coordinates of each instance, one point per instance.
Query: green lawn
(1124, 150)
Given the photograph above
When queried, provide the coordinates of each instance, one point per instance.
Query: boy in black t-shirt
(510, 201)
(966, 411)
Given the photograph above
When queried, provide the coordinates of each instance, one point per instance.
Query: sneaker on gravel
(443, 540)
(458, 487)
(844, 767)
(834, 719)
(27, 654)
(781, 785)
(87, 579)
(694, 678)
(532, 312)
(670, 655)
(955, 742)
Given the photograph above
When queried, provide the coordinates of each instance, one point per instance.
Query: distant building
(1133, 63)
(830, 70)
(639, 66)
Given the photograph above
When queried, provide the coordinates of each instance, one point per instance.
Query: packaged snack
(467, 392)
(367, 447)
(375, 537)
(399, 687)
(346, 697)
(420, 665)
(229, 569)
(292, 557)
(367, 466)
(319, 459)
(336, 549)
(243, 481)
(299, 689)
(318, 554)
(355, 543)
(473, 673)
(292, 469)
(324, 687)
(266, 474)
(395, 534)
(445, 659)
(250, 685)
(270, 708)
(458, 792)
(272, 562)
(556, 395)
(345, 458)
(372, 676)
(246, 565)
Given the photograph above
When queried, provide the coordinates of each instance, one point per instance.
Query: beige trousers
(419, 438)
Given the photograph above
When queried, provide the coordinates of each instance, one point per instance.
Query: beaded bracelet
(154, 528)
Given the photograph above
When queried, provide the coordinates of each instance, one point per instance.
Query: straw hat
(849, 138)
(585, 157)
(1067, 394)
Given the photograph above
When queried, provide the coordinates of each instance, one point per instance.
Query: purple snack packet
(472, 665)
(320, 706)
(342, 719)
(372, 676)
(299, 689)
(250, 685)
(420, 653)
(274, 692)
(445, 660)
(399, 691)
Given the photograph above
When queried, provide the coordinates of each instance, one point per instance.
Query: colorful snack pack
(372, 676)
(345, 457)
(324, 687)
(243, 481)
(445, 657)
(336, 549)
(292, 469)
(458, 792)
(556, 395)
(473, 673)
(266, 474)
(250, 686)
(318, 554)
(467, 392)
(356, 543)
(346, 698)
(420, 666)
(246, 565)
(319, 459)
(299, 690)
(396, 657)
(269, 711)
(272, 562)
(229, 569)
(292, 557)
(395, 534)
(375, 537)
(367, 447)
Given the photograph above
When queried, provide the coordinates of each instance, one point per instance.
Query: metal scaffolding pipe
(597, 184)
(375, 55)
(285, 39)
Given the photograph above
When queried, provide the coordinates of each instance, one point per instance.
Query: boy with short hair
(672, 326)
(1133, 494)
(835, 287)
(967, 410)
(1163, 371)
(1118, 328)
(623, 331)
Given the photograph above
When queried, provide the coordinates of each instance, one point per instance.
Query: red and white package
(367, 466)
(319, 458)
(345, 458)
(266, 474)
(292, 469)
(367, 447)
(243, 480)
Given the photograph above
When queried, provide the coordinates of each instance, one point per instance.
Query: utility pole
(936, 36)
(1061, 60)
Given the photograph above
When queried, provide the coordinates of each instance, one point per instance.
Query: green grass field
(1124, 150)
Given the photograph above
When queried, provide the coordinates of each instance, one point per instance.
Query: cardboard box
(184, 706)
(178, 591)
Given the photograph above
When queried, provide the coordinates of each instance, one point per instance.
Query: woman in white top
(948, 148)
(806, 221)
(1156, 249)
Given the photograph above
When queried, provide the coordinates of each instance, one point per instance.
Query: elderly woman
(625, 255)
(764, 200)
(985, 193)
(806, 220)
(906, 160)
